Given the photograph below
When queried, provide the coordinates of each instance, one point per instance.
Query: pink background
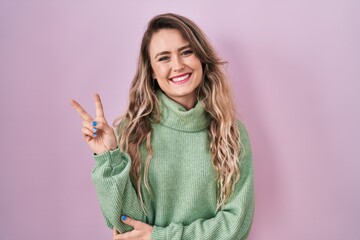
(295, 72)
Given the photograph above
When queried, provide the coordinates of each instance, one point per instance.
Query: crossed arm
(118, 197)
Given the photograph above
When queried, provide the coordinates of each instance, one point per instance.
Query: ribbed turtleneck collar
(174, 115)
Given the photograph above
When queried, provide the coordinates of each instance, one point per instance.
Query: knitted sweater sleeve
(233, 221)
(114, 189)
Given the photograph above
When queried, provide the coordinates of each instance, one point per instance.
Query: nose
(177, 64)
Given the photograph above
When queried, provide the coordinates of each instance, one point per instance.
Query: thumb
(129, 221)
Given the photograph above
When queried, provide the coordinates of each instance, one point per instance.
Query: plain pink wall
(295, 72)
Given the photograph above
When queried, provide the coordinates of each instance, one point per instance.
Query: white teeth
(178, 79)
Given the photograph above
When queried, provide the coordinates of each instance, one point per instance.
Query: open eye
(163, 58)
(187, 52)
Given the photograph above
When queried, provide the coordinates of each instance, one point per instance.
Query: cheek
(198, 66)
(194, 63)
(161, 71)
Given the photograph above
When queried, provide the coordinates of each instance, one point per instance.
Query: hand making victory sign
(97, 132)
(101, 138)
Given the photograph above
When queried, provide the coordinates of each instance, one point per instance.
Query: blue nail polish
(94, 123)
(94, 134)
(123, 217)
(94, 130)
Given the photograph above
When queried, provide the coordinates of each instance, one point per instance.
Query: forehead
(166, 40)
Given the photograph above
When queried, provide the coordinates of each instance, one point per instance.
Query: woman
(179, 165)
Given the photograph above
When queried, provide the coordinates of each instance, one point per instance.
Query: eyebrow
(167, 52)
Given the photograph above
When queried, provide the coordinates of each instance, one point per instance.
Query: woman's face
(175, 67)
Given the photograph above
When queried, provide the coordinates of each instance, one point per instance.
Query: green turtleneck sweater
(182, 180)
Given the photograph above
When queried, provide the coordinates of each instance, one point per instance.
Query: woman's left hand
(141, 230)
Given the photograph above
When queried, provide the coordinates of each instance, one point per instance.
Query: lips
(181, 78)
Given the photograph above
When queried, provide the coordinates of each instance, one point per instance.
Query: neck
(188, 102)
(176, 116)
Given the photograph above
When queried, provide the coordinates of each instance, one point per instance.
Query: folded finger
(91, 126)
(83, 114)
(95, 126)
(87, 133)
(129, 221)
(128, 235)
(90, 129)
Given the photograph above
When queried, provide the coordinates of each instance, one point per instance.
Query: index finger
(83, 114)
(98, 106)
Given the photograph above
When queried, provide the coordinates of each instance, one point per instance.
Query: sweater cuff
(158, 233)
(113, 157)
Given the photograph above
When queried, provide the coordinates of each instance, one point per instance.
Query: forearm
(114, 189)
(233, 222)
(224, 226)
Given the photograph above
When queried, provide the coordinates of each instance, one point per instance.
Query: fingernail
(94, 123)
(123, 217)
(94, 130)
(94, 134)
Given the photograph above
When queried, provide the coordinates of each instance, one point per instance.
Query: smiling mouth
(181, 79)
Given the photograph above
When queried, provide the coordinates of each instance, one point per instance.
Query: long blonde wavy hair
(214, 91)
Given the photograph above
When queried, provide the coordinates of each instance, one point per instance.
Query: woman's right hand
(98, 134)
